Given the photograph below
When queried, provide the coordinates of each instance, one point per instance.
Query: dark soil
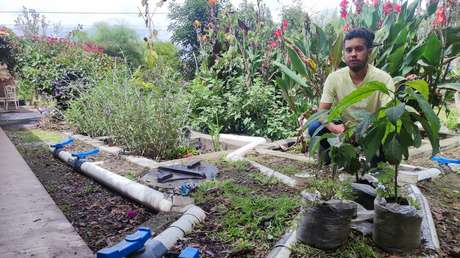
(443, 194)
(205, 237)
(100, 216)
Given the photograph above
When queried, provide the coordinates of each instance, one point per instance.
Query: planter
(396, 226)
(326, 225)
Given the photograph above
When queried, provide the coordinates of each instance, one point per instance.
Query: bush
(256, 110)
(46, 65)
(145, 121)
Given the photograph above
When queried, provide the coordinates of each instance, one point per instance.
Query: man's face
(356, 53)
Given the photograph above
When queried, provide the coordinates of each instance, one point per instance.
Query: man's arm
(333, 128)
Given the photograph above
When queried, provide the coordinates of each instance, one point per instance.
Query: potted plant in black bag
(390, 132)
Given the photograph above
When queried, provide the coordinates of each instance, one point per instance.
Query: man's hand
(337, 129)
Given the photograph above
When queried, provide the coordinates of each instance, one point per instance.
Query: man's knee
(313, 127)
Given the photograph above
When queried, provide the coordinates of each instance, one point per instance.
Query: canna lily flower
(346, 27)
(440, 16)
(285, 24)
(212, 2)
(343, 9)
(375, 3)
(273, 43)
(278, 33)
(387, 8)
(397, 8)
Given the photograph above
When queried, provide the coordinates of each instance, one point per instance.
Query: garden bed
(246, 212)
(100, 216)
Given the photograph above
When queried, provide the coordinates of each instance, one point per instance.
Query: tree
(295, 17)
(184, 28)
(30, 23)
(117, 40)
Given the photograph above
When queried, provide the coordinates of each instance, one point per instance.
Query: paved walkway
(31, 225)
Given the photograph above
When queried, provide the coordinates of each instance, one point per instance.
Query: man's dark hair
(363, 33)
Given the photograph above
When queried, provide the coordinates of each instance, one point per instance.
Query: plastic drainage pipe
(138, 192)
(238, 154)
(283, 246)
(272, 173)
(158, 246)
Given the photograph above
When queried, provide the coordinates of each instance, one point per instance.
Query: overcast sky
(69, 21)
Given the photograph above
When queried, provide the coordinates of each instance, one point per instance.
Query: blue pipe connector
(129, 245)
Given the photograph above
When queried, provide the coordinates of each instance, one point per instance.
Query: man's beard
(358, 66)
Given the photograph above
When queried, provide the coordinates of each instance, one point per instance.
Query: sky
(128, 7)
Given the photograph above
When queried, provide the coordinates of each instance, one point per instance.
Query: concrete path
(31, 225)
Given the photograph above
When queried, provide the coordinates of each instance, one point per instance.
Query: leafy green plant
(144, 121)
(392, 130)
(329, 188)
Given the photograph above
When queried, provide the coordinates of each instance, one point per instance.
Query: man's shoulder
(339, 73)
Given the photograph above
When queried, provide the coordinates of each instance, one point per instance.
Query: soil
(204, 235)
(288, 166)
(100, 216)
(443, 194)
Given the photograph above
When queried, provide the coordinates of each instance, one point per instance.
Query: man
(358, 45)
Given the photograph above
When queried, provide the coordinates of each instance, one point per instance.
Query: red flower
(346, 27)
(273, 43)
(387, 8)
(285, 24)
(397, 8)
(358, 5)
(278, 33)
(375, 3)
(343, 9)
(440, 18)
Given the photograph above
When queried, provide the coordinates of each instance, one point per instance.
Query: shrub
(145, 121)
(46, 65)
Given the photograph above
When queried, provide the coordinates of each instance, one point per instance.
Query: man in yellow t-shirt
(358, 45)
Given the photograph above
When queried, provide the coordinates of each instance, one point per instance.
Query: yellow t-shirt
(339, 84)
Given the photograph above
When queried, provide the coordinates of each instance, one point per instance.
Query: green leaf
(395, 112)
(335, 54)
(293, 76)
(315, 142)
(432, 50)
(373, 141)
(297, 63)
(450, 86)
(433, 135)
(365, 119)
(421, 86)
(356, 96)
(428, 113)
(393, 150)
(395, 60)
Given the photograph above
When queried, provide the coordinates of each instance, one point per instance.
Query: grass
(247, 219)
(130, 175)
(357, 247)
(37, 135)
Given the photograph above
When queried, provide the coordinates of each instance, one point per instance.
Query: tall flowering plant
(404, 46)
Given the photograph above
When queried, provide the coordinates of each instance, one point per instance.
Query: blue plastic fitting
(82, 155)
(190, 252)
(445, 161)
(62, 144)
(59, 146)
(131, 244)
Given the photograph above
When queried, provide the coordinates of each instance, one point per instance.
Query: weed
(130, 175)
(263, 180)
(37, 135)
(65, 207)
(248, 219)
(88, 189)
(51, 188)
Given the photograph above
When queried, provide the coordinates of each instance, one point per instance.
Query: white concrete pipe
(138, 192)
